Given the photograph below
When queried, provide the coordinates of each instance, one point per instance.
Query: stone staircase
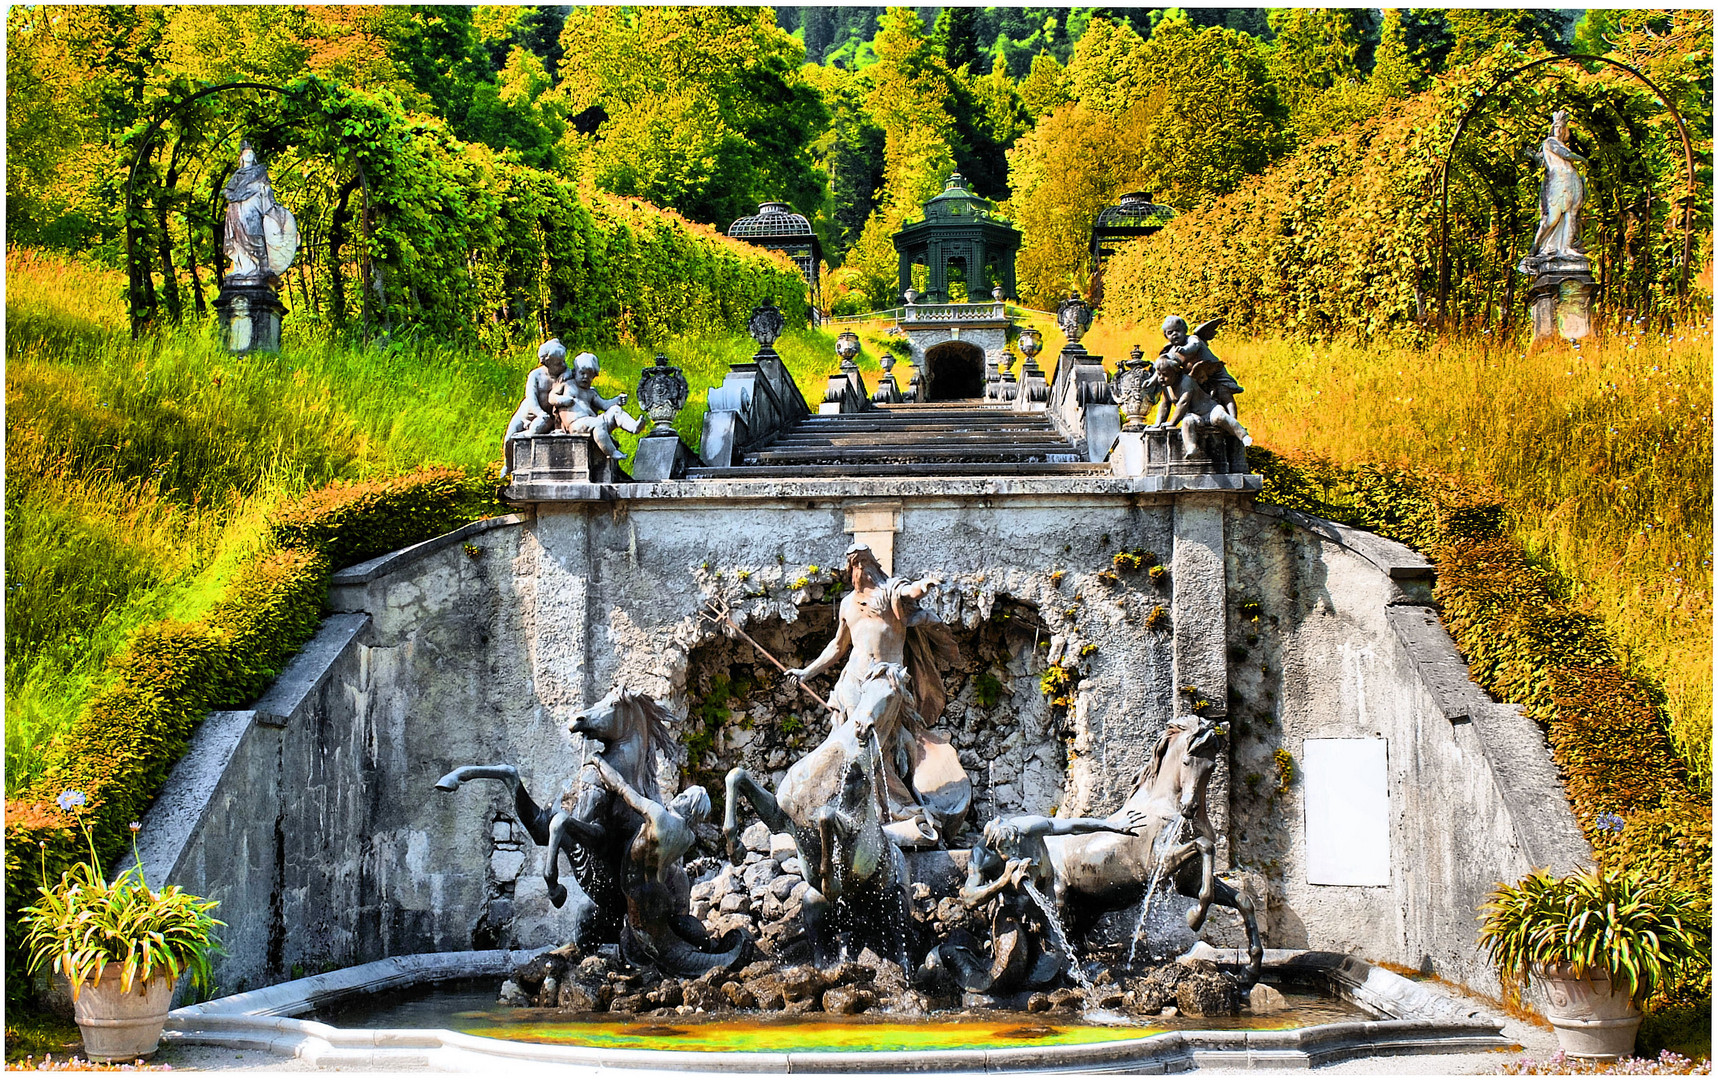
(957, 438)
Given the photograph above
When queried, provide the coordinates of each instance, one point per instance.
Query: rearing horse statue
(831, 803)
(598, 826)
(1108, 871)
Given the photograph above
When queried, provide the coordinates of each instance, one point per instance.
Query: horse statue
(1100, 872)
(599, 825)
(832, 802)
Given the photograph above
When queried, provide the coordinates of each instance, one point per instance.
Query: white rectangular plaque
(1347, 795)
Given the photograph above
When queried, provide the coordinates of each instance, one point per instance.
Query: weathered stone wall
(481, 646)
(1324, 643)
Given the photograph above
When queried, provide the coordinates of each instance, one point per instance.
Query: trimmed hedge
(350, 522)
(122, 747)
(1341, 239)
(1524, 642)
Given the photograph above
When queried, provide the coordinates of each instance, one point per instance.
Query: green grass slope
(139, 474)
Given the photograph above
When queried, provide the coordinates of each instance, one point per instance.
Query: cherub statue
(583, 410)
(1191, 353)
(536, 414)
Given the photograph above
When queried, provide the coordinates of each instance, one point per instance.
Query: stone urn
(847, 346)
(662, 390)
(1074, 316)
(1128, 389)
(766, 324)
(1029, 343)
(1592, 1018)
(119, 1026)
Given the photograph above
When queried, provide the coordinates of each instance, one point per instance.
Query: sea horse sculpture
(623, 843)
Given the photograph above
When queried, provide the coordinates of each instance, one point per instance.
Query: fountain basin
(1409, 1018)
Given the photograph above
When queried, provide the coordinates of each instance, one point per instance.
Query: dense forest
(853, 115)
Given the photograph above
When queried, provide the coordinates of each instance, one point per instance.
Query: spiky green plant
(1638, 931)
(84, 923)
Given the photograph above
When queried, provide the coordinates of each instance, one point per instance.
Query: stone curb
(365, 572)
(1420, 1021)
(877, 487)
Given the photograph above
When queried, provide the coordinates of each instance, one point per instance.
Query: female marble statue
(261, 236)
(1561, 193)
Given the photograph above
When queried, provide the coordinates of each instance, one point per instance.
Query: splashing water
(1061, 936)
(1166, 843)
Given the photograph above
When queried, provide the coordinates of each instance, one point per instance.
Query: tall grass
(139, 473)
(1604, 448)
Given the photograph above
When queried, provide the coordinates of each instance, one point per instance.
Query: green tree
(1045, 87)
(1394, 72)
(912, 94)
(955, 36)
(1221, 118)
(1108, 70)
(1476, 31)
(438, 50)
(224, 43)
(850, 154)
(514, 111)
(1067, 169)
(1315, 62)
(706, 109)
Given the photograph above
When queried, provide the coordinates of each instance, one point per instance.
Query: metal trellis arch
(1482, 99)
(133, 270)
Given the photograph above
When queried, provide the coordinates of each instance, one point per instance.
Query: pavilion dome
(1135, 210)
(772, 219)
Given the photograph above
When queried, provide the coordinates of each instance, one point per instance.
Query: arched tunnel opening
(954, 371)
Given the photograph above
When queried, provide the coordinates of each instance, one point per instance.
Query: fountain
(867, 963)
(1018, 813)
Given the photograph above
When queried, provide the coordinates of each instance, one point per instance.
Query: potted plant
(1596, 944)
(121, 947)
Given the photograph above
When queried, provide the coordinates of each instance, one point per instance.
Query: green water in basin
(470, 1008)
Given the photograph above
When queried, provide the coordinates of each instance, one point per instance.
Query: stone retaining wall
(313, 818)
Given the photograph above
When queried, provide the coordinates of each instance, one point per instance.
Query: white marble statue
(1561, 193)
(261, 237)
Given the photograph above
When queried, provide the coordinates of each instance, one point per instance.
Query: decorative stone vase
(766, 324)
(662, 391)
(120, 1026)
(1129, 389)
(1029, 343)
(1592, 1018)
(847, 345)
(1074, 317)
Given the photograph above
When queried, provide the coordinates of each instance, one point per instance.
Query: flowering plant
(85, 922)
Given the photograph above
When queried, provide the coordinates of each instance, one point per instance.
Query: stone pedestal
(250, 317)
(1562, 306)
(1033, 392)
(1560, 297)
(661, 457)
(561, 457)
(1161, 451)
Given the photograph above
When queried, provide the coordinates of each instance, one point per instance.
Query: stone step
(911, 455)
(914, 438)
(1000, 423)
(845, 472)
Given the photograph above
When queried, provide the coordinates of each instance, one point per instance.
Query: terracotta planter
(1592, 1019)
(119, 1026)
